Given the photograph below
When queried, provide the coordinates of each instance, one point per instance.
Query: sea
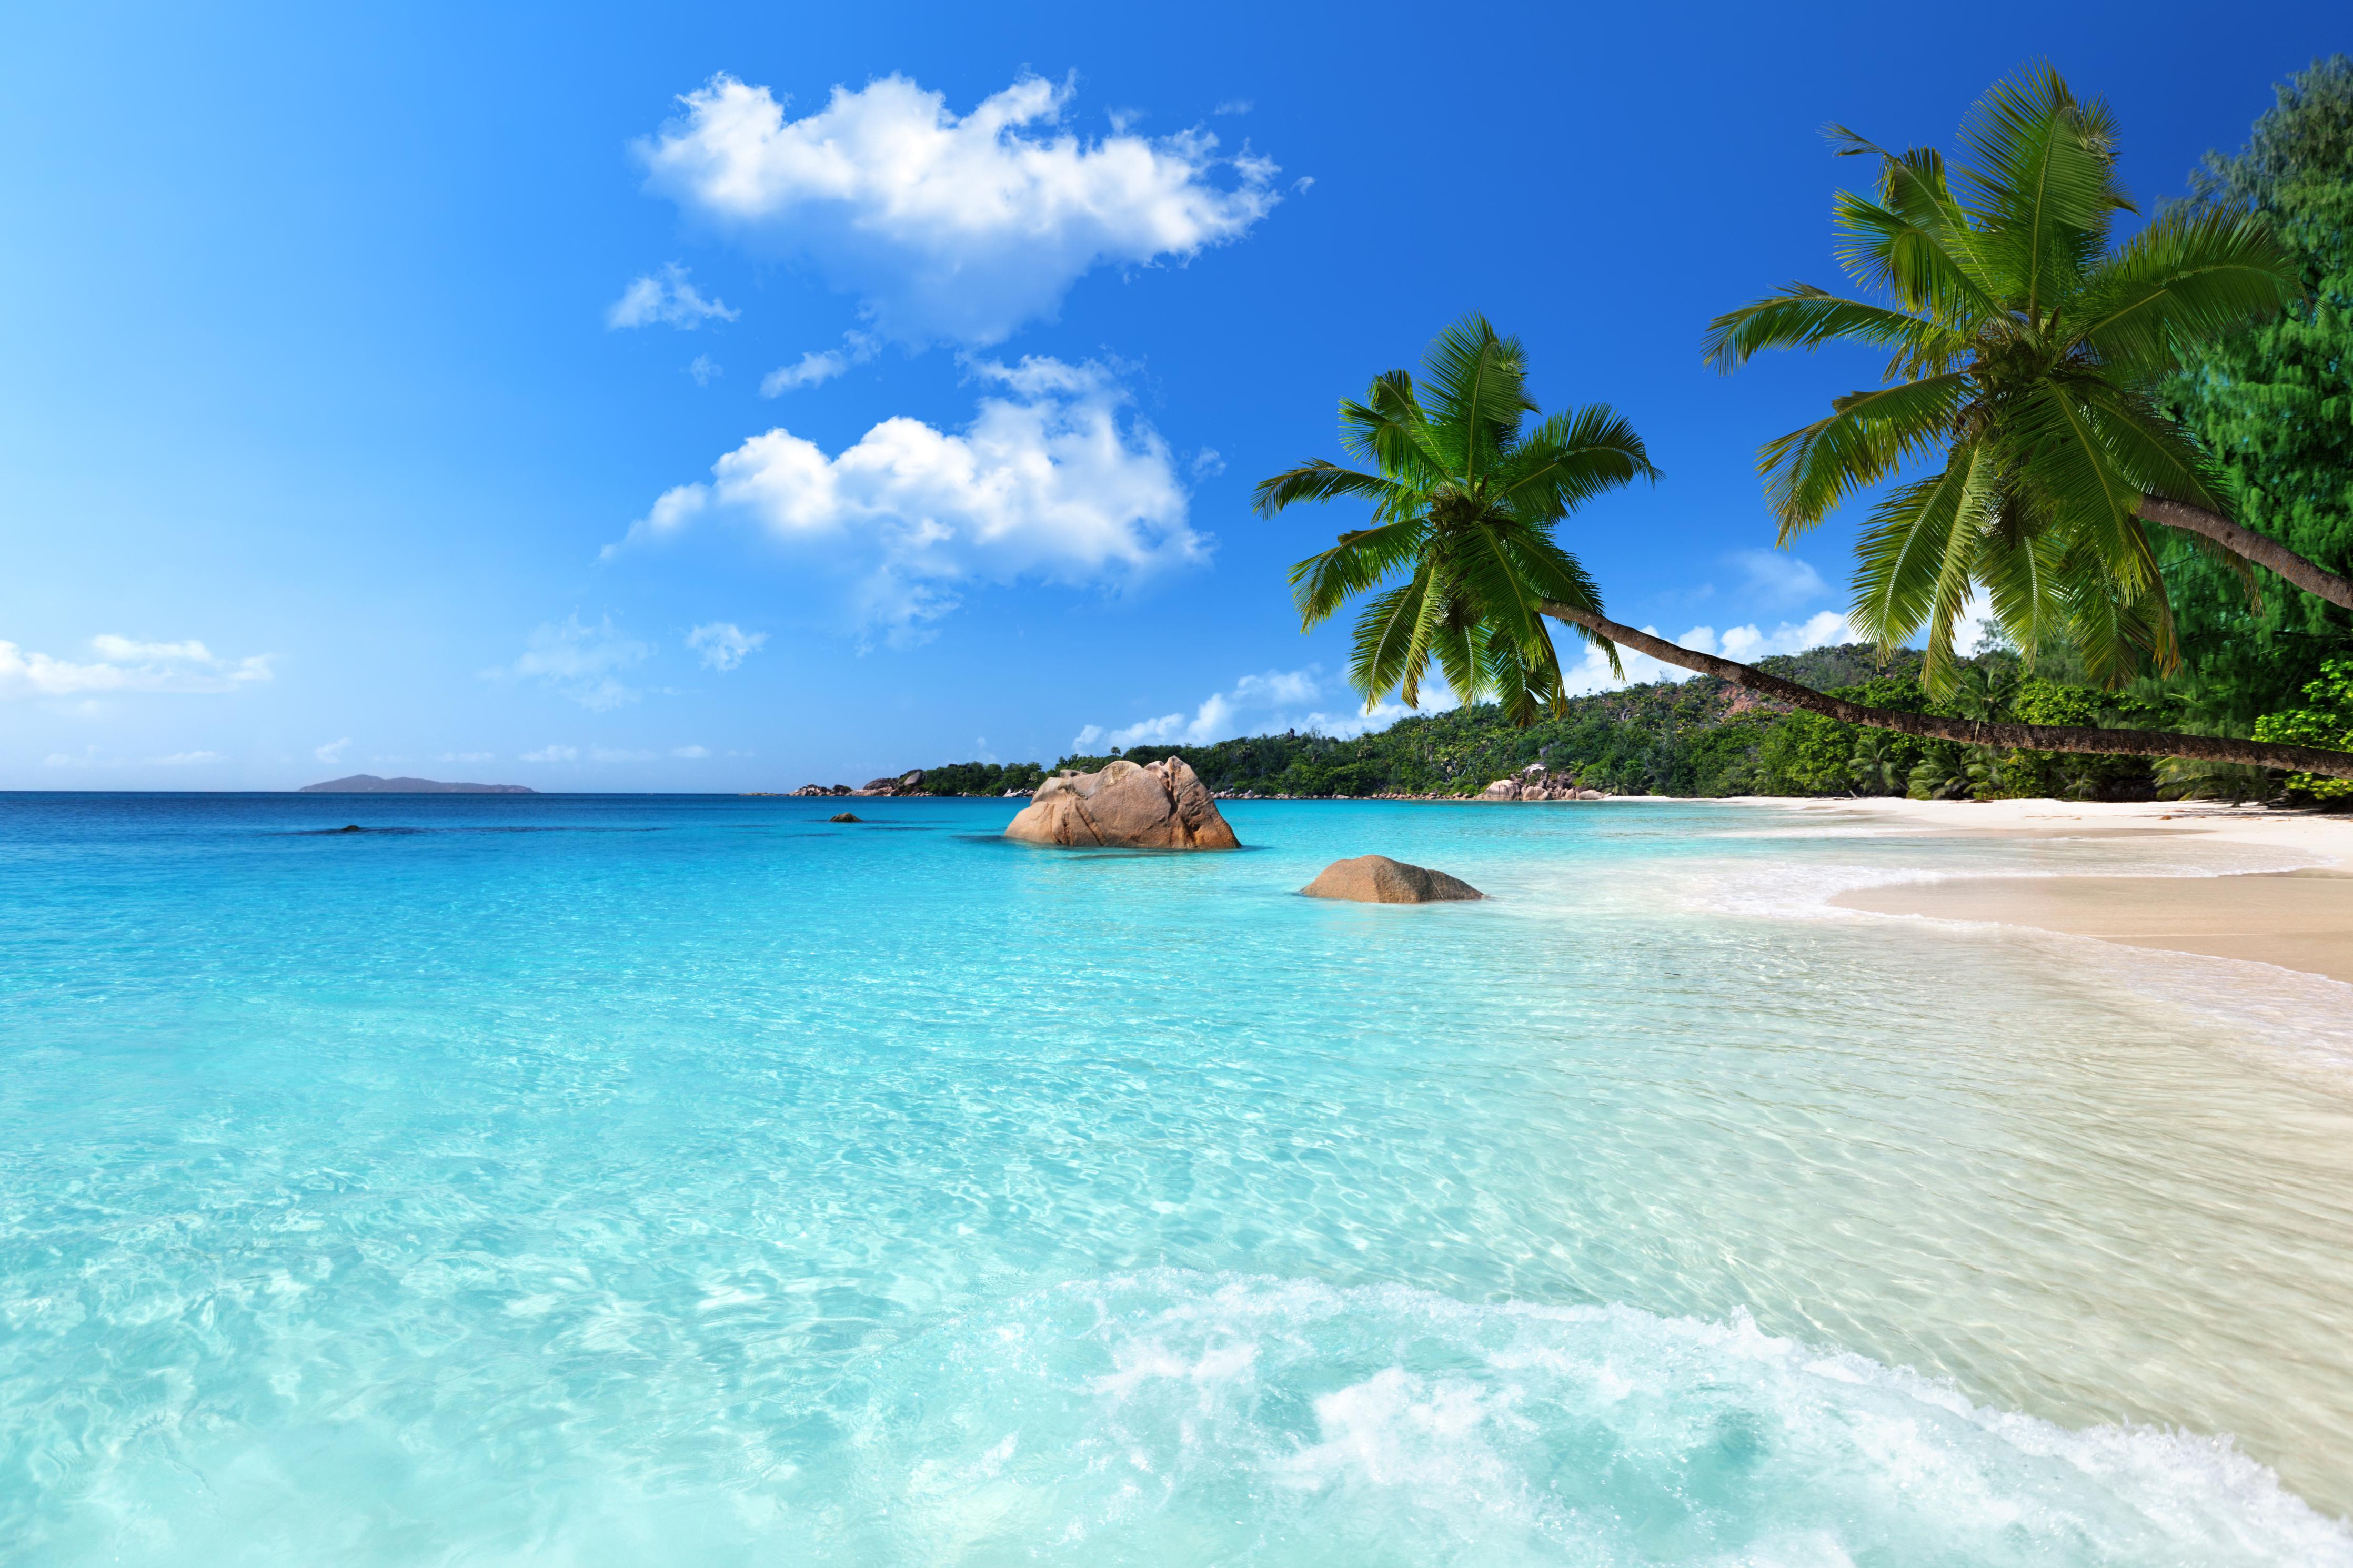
(591, 1181)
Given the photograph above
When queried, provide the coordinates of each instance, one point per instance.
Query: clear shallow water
(690, 1181)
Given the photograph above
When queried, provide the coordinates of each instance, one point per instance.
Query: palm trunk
(2249, 546)
(1969, 731)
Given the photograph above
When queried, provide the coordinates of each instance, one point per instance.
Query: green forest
(2270, 407)
(1707, 738)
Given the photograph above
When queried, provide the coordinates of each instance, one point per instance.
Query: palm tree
(1877, 765)
(1464, 501)
(1464, 505)
(2022, 345)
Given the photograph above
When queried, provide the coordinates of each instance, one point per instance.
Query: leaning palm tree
(2023, 344)
(1459, 567)
(1464, 500)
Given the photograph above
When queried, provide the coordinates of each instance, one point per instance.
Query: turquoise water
(619, 1181)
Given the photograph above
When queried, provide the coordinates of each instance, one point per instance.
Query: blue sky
(737, 398)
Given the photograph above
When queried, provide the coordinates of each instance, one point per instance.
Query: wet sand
(2297, 919)
(2300, 920)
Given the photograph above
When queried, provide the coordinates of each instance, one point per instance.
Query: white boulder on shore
(1161, 806)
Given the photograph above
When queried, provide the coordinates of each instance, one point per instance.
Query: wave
(1177, 1418)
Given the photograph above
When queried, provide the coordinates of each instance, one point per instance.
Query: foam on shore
(1168, 1417)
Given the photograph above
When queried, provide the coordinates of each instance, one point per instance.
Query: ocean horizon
(645, 1179)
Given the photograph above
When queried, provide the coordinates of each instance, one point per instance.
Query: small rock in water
(1378, 879)
(354, 828)
(845, 816)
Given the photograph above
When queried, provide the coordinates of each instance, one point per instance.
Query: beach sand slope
(2297, 919)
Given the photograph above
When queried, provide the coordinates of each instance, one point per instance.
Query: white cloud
(1046, 482)
(183, 759)
(1776, 579)
(948, 226)
(579, 660)
(815, 367)
(1262, 704)
(690, 752)
(723, 644)
(669, 298)
(1976, 621)
(126, 665)
(703, 368)
(553, 754)
(332, 751)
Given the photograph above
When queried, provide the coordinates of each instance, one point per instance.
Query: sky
(736, 397)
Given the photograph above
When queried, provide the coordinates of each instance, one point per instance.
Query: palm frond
(2185, 278)
(1864, 440)
(2023, 576)
(1477, 382)
(2044, 188)
(1907, 546)
(1361, 561)
(1386, 654)
(1390, 431)
(1567, 460)
(1316, 480)
(1804, 316)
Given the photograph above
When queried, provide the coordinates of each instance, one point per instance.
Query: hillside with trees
(1705, 737)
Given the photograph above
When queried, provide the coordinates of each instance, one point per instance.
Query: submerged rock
(1162, 807)
(1378, 879)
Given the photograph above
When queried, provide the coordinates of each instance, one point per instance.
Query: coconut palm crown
(2023, 344)
(1464, 502)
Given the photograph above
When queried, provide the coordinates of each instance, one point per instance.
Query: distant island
(368, 783)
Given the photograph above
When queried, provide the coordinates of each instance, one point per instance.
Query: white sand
(2299, 920)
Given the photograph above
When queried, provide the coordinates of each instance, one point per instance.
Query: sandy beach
(2300, 919)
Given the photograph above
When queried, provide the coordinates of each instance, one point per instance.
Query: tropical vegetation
(2025, 349)
(2199, 375)
(2274, 406)
(1464, 501)
(1696, 737)
(2017, 341)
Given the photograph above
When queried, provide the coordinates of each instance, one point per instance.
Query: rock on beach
(1161, 806)
(1378, 879)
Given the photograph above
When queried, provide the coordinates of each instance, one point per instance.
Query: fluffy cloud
(817, 367)
(1746, 644)
(553, 754)
(692, 753)
(669, 299)
(125, 664)
(723, 644)
(580, 660)
(1047, 483)
(1262, 704)
(183, 759)
(948, 226)
(332, 751)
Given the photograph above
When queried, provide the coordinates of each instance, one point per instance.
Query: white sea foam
(1177, 1418)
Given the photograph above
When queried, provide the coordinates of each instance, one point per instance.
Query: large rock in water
(1162, 807)
(1378, 879)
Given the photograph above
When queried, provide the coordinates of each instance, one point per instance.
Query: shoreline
(2297, 918)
